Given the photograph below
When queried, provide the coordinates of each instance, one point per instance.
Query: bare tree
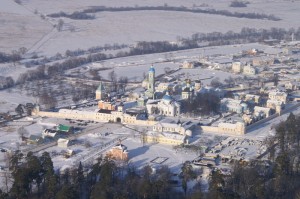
(22, 132)
(113, 78)
(123, 82)
(18, 2)
(167, 70)
(48, 100)
(60, 25)
(23, 50)
(215, 82)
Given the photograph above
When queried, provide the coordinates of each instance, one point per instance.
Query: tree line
(94, 9)
(35, 177)
(75, 15)
(12, 57)
(6, 82)
(238, 4)
(246, 35)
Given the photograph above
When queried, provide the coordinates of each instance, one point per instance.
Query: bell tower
(151, 84)
(100, 92)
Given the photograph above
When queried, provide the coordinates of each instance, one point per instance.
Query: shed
(65, 143)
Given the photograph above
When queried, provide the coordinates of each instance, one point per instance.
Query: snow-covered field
(134, 26)
(135, 67)
(10, 100)
(20, 27)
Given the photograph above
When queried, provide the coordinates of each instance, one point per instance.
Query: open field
(22, 25)
(19, 27)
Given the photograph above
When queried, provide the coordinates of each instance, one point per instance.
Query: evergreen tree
(21, 185)
(34, 168)
(187, 174)
(3, 195)
(67, 192)
(216, 185)
(50, 179)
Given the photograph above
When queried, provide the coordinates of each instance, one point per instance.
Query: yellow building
(237, 67)
(237, 128)
(187, 64)
(164, 138)
(106, 105)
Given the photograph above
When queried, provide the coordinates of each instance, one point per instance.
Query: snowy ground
(135, 67)
(10, 100)
(21, 27)
(140, 155)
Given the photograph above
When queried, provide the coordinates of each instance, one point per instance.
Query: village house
(254, 98)
(275, 105)
(262, 110)
(64, 143)
(249, 70)
(263, 61)
(188, 64)
(278, 96)
(292, 85)
(237, 67)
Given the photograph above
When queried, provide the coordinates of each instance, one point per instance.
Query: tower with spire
(100, 92)
(151, 83)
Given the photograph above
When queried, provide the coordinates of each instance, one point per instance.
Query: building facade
(164, 138)
(237, 67)
(167, 106)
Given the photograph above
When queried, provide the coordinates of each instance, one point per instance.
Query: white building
(275, 105)
(278, 96)
(168, 125)
(164, 86)
(167, 106)
(64, 143)
(255, 98)
(249, 70)
(292, 85)
(262, 110)
(232, 105)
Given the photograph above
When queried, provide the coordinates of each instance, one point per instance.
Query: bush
(238, 4)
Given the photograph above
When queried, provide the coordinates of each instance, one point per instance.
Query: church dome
(167, 98)
(152, 69)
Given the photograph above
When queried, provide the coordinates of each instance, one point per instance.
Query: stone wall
(94, 116)
(225, 128)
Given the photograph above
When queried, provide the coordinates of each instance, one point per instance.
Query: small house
(64, 143)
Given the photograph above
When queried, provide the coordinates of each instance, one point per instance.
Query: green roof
(65, 128)
(101, 87)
